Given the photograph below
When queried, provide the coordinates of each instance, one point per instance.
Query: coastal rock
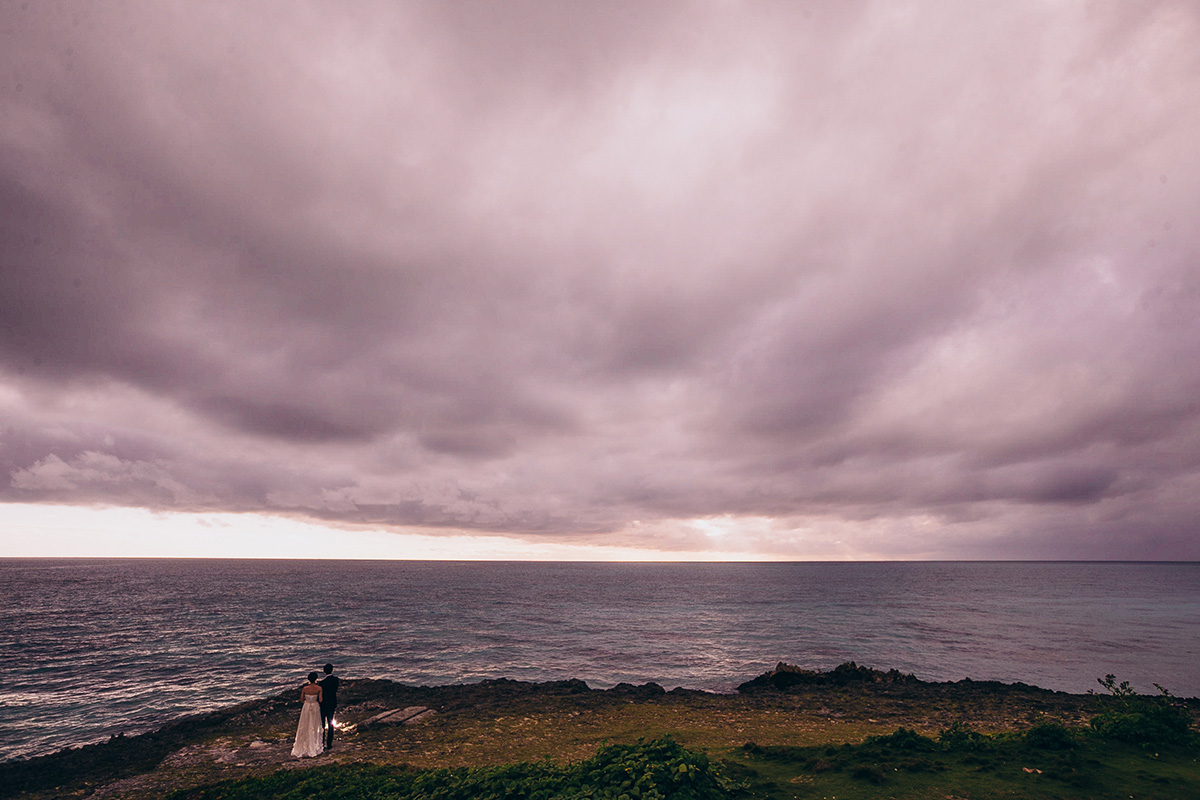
(646, 690)
(570, 686)
(786, 676)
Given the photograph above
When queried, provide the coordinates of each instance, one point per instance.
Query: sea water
(92, 648)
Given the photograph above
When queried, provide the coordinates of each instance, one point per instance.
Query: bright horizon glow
(31, 530)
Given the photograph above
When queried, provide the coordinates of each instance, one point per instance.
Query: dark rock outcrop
(786, 676)
(643, 692)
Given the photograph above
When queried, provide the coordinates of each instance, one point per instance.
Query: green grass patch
(1046, 761)
(659, 770)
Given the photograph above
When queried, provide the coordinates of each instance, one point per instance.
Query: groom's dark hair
(328, 668)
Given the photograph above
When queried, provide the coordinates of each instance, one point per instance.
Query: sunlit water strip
(98, 647)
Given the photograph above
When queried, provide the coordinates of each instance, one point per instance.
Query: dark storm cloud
(863, 279)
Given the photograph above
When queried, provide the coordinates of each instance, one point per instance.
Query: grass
(660, 770)
(808, 740)
(908, 766)
(1047, 761)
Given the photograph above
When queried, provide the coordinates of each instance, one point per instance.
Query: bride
(310, 738)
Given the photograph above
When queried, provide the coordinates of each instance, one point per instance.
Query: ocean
(96, 647)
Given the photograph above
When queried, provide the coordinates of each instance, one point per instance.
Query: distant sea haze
(98, 647)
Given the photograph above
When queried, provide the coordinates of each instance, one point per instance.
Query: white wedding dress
(310, 738)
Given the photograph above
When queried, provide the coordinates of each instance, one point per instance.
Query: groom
(329, 687)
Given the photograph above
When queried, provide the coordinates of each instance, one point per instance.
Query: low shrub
(902, 739)
(1049, 736)
(1142, 719)
(959, 738)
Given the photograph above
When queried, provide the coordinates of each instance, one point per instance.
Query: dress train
(310, 737)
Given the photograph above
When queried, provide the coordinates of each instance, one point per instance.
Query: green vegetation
(660, 770)
(1048, 761)
(1138, 746)
(1148, 720)
(790, 734)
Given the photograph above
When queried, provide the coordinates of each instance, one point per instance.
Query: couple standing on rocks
(314, 734)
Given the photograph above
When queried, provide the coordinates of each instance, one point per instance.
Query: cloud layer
(858, 279)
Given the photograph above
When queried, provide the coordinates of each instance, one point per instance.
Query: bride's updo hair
(312, 677)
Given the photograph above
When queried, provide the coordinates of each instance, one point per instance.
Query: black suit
(329, 687)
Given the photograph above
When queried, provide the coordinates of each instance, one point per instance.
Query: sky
(619, 280)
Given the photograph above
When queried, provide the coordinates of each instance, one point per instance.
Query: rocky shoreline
(500, 720)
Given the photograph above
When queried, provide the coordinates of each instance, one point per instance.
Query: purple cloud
(911, 282)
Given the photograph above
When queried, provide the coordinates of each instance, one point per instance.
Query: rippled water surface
(97, 647)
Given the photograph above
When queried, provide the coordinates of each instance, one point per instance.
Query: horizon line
(612, 561)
